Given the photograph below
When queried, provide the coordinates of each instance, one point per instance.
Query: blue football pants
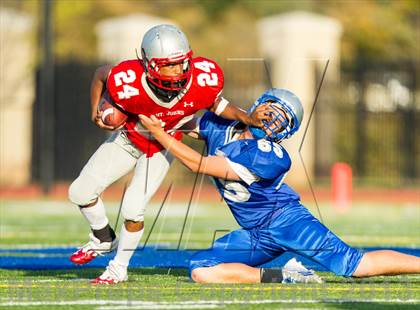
(292, 229)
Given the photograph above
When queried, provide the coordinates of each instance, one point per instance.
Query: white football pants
(116, 157)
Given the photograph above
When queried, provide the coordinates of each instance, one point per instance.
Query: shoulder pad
(265, 159)
(208, 74)
(124, 82)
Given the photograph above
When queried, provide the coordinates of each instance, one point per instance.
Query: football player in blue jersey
(248, 165)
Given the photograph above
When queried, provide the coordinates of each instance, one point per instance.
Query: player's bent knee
(200, 275)
(81, 194)
(74, 194)
(136, 215)
(364, 269)
(200, 265)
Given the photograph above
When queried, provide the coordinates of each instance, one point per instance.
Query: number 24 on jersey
(124, 78)
(206, 78)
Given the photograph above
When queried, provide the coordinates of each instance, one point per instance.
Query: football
(112, 115)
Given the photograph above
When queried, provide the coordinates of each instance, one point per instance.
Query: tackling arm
(216, 166)
(229, 111)
(191, 128)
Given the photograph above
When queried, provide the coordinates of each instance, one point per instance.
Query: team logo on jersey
(186, 104)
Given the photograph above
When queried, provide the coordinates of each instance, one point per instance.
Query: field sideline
(59, 224)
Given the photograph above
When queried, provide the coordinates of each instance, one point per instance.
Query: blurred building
(298, 46)
(120, 37)
(17, 92)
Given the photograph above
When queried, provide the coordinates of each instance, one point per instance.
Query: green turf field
(52, 223)
(33, 223)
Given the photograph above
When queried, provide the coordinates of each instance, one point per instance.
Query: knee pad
(84, 190)
(134, 205)
(133, 214)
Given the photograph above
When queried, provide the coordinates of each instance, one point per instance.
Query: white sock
(127, 245)
(95, 215)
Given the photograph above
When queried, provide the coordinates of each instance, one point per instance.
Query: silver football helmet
(163, 45)
(286, 115)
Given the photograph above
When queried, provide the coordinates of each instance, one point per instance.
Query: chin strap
(258, 133)
(162, 94)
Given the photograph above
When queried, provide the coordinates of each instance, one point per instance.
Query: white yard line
(159, 306)
(132, 304)
(37, 246)
(202, 304)
(33, 280)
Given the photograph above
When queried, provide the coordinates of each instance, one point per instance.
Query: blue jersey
(262, 166)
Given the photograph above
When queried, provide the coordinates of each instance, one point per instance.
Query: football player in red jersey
(169, 84)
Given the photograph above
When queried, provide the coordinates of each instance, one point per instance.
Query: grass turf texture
(158, 288)
(52, 223)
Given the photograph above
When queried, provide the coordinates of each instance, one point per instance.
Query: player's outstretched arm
(97, 87)
(229, 111)
(191, 128)
(216, 166)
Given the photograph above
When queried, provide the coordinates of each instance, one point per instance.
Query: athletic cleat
(295, 272)
(92, 249)
(113, 274)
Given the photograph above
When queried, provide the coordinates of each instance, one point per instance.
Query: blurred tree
(214, 8)
(377, 30)
(373, 29)
(267, 7)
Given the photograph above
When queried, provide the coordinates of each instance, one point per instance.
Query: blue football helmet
(286, 115)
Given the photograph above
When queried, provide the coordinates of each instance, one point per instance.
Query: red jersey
(128, 88)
